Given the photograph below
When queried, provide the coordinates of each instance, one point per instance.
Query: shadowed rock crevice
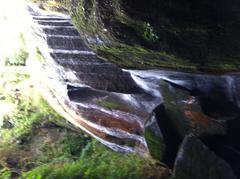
(227, 147)
(196, 160)
(171, 138)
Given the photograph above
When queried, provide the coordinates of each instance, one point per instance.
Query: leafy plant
(5, 173)
(149, 33)
(96, 161)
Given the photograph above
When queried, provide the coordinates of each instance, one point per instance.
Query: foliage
(52, 5)
(38, 145)
(27, 106)
(5, 173)
(96, 161)
(19, 56)
(149, 33)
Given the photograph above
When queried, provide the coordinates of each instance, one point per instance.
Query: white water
(64, 36)
(82, 52)
(148, 80)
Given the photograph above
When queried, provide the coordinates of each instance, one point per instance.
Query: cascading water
(93, 94)
(118, 106)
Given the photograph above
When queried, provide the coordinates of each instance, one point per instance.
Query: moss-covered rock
(154, 139)
(183, 33)
(185, 30)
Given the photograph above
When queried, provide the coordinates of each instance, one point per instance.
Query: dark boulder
(196, 160)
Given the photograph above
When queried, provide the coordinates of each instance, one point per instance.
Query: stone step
(64, 36)
(55, 22)
(66, 62)
(52, 17)
(107, 80)
(63, 58)
(61, 31)
(66, 43)
(91, 68)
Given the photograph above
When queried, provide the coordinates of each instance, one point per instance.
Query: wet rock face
(202, 31)
(142, 111)
(154, 138)
(210, 125)
(191, 114)
(93, 94)
(196, 160)
(201, 12)
(185, 112)
(66, 50)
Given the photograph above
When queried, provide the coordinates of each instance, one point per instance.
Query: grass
(96, 161)
(35, 142)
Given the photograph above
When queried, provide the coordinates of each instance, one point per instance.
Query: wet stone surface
(143, 111)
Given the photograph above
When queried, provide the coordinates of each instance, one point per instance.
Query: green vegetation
(137, 57)
(19, 57)
(155, 144)
(110, 104)
(5, 173)
(143, 29)
(96, 161)
(36, 143)
(39, 56)
(138, 42)
(149, 33)
(52, 5)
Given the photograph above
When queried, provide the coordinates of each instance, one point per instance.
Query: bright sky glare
(10, 26)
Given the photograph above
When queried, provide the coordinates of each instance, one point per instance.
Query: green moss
(110, 104)
(216, 64)
(175, 108)
(85, 17)
(155, 144)
(122, 34)
(137, 57)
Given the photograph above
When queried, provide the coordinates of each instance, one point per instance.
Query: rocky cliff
(187, 35)
(170, 115)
